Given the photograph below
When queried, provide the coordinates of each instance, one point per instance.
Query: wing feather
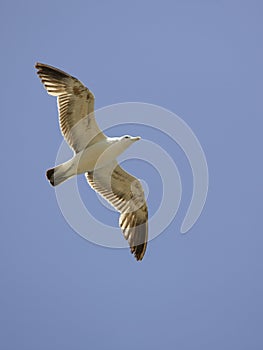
(75, 107)
(125, 193)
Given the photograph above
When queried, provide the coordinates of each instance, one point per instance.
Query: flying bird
(95, 155)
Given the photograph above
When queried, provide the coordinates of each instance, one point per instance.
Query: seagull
(95, 155)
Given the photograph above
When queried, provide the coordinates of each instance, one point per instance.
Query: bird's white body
(93, 157)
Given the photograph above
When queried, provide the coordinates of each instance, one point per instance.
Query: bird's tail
(55, 176)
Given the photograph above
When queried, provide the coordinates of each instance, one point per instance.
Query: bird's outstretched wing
(125, 193)
(75, 106)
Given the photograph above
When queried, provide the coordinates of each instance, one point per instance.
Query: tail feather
(55, 176)
(50, 176)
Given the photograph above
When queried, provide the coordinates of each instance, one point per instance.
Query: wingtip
(139, 251)
(39, 65)
(51, 72)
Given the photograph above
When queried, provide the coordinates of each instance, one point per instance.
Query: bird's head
(130, 139)
(119, 144)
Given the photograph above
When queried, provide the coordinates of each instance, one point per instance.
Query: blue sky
(203, 61)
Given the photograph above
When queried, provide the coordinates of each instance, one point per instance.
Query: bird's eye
(126, 137)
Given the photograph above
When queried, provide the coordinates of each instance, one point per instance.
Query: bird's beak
(137, 138)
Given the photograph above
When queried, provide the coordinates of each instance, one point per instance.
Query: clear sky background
(203, 290)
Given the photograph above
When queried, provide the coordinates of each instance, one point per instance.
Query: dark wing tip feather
(135, 229)
(139, 251)
(48, 72)
(55, 80)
